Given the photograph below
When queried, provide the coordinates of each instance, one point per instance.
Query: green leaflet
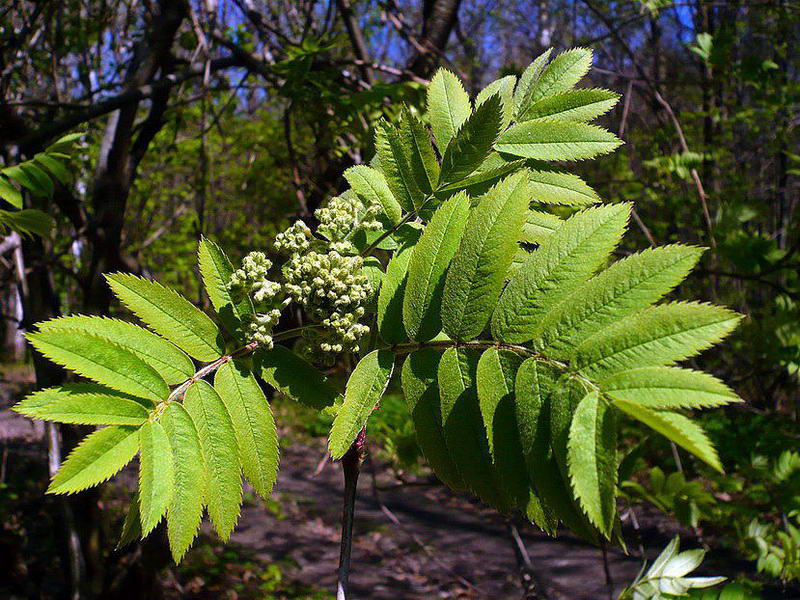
(494, 167)
(54, 166)
(670, 388)
(363, 392)
(464, 432)
(567, 394)
(253, 423)
(84, 404)
(373, 269)
(564, 261)
(186, 509)
(555, 187)
(556, 140)
(532, 386)
(43, 185)
(370, 186)
(563, 72)
(220, 454)
(166, 358)
(422, 157)
(573, 105)
(427, 267)
(592, 460)
(539, 226)
(101, 360)
(394, 161)
(527, 82)
(626, 287)
(99, 456)
(216, 271)
(661, 335)
(390, 299)
(9, 193)
(418, 379)
(156, 475)
(169, 314)
(478, 269)
(448, 107)
(504, 87)
(473, 141)
(132, 527)
(676, 428)
(496, 374)
(27, 222)
(296, 378)
(553, 475)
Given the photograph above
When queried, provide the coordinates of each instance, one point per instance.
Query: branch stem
(351, 467)
(178, 393)
(406, 219)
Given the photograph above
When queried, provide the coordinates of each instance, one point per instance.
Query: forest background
(231, 118)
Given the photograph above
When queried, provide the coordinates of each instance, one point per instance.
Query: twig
(351, 466)
(530, 589)
(607, 571)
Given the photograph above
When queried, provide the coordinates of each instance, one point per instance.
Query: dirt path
(412, 542)
(445, 546)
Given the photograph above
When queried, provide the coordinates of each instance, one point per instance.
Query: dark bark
(438, 20)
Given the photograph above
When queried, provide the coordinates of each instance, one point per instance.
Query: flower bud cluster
(252, 279)
(344, 214)
(295, 240)
(333, 289)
